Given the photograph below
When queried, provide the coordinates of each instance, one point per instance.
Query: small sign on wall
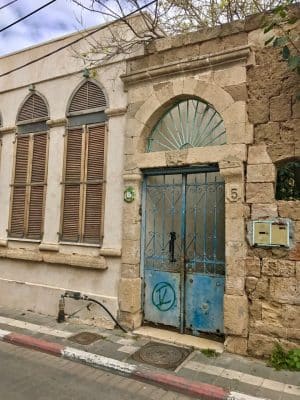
(129, 194)
(271, 233)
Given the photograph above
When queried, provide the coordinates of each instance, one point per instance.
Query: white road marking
(94, 359)
(3, 333)
(34, 327)
(241, 396)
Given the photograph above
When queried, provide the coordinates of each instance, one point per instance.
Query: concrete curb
(172, 382)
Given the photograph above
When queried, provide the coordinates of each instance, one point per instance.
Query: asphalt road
(30, 375)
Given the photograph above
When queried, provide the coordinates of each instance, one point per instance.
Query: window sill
(10, 239)
(71, 260)
(80, 244)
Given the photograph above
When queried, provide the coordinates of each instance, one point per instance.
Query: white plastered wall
(38, 285)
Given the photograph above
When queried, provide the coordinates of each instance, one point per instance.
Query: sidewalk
(224, 377)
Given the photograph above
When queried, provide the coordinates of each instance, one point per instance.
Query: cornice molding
(115, 112)
(8, 129)
(202, 62)
(53, 123)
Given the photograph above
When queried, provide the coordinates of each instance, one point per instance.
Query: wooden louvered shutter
(37, 186)
(17, 221)
(94, 183)
(34, 107)
(72, 188)
(88, 96)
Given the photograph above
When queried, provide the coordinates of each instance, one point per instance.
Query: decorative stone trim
(49, 247)
(205, 61)
(231, 167)
(115, 112)
(64, 259)
(53, 123)
(196, 155)
(110, 252)
(132, 177)
(3, 243)
(7, 130)
(76, 261)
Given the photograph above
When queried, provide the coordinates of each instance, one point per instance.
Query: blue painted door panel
(183, 250)
(204, 303)
(162, 304)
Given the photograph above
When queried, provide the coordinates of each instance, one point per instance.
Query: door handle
(172, 246)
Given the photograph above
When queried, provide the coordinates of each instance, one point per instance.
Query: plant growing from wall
(281, 359)
(288, 181)
(282, 24)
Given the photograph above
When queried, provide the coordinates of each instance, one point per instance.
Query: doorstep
(179, 339)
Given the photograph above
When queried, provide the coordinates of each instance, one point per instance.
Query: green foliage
(288, 181)
(209, 353)
(281, 359)
(284, 36)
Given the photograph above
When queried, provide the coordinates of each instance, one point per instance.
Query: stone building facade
(255, 94)
(249, 91)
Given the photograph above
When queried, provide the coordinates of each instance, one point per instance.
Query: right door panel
(204, 253)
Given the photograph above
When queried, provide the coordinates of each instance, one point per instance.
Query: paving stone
(128, 349)
(251, 390)
(288, 377)
(231, 384)
(198, 376)
(269, 394)
(292, 389)
(198, 356)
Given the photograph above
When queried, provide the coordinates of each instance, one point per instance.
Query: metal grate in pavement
(85, 338)
(161, 355)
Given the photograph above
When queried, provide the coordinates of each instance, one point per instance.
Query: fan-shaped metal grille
(190, 123)
(34, 107)
(88, 96)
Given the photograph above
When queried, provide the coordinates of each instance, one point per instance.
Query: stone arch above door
(163, 95)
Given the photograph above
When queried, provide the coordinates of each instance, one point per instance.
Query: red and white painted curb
(172, 382)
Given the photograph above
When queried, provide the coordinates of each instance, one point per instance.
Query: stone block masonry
(273, 280)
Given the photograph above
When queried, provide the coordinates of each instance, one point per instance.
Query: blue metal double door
(183, 249)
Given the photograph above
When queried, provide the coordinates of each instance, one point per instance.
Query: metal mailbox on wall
(270, 233)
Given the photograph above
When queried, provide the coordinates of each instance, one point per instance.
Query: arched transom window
(189, 123)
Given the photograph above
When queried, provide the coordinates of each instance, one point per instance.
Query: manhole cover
(85, 337)
(161, 355)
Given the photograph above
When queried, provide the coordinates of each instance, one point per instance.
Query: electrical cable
(108, 312)
(26, 16)
(8, 4)
(77, 40)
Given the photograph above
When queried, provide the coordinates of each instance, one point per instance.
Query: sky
(59, 18)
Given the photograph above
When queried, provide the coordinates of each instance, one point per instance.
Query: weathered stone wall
(272, 276)
(252, 89)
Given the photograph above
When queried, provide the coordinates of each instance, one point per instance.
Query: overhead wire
(8, 4)
(27, 15)
(77, 40)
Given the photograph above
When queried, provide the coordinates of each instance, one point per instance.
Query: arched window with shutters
(83, 192)
(30, 171)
